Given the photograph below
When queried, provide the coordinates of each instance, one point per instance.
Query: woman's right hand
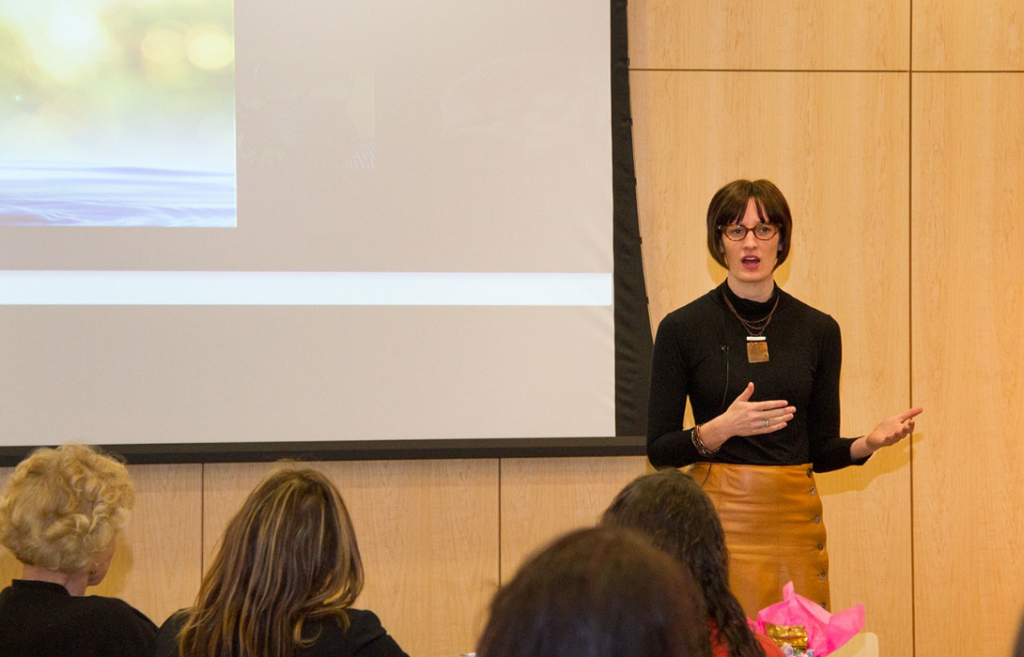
(746, 418)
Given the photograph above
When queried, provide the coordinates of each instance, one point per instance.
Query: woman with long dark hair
(283, 582)
(671, 510)
(597, 592)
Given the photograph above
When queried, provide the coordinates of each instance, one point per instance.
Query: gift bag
(822, 632)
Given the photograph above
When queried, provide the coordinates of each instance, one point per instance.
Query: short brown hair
(64, 506)
(730, 202)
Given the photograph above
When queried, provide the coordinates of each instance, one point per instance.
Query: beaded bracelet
(699, 444)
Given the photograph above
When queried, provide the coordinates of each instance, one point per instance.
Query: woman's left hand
(888, 432)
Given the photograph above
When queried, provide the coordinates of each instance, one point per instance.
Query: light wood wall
(893, 128)
(968, 362)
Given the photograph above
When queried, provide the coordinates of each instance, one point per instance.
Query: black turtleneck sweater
(701, 353)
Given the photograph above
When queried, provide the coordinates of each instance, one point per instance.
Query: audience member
(599, 592)
(672, 511)
(282, 582)
(60, 516)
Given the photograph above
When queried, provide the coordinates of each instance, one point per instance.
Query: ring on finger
(767, 421)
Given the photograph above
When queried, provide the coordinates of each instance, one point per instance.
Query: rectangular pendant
(757, 349)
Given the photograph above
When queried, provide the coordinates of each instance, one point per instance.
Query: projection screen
(309, 221)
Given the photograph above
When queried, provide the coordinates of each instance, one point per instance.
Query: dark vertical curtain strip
(633, 342)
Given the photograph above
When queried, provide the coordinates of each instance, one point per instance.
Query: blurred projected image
(117, 113)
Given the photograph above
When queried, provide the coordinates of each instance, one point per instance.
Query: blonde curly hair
(64, 506)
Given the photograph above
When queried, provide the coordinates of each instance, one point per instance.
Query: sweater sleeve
(828, 451)
(668, 445)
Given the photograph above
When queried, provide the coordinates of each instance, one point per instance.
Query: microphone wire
(721, 408)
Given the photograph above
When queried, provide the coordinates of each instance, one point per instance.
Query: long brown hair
(288, 556)
(675, 514)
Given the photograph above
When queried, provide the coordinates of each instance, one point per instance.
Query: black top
(40, 619)
(700, 352)
(365, 637)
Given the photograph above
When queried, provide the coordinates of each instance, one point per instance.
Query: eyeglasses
(737, 232)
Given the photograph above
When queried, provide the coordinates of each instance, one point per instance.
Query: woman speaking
(761, 371)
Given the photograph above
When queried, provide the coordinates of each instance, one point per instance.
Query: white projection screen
(312, 221)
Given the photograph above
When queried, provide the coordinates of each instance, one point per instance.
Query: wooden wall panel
(544, 498)
(968, 164)
(968, 35)
(428, 533)
(786, 34)
(9, 566)
(837, 146)
(156, 567)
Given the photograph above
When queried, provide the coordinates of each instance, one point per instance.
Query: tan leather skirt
(773, 530)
